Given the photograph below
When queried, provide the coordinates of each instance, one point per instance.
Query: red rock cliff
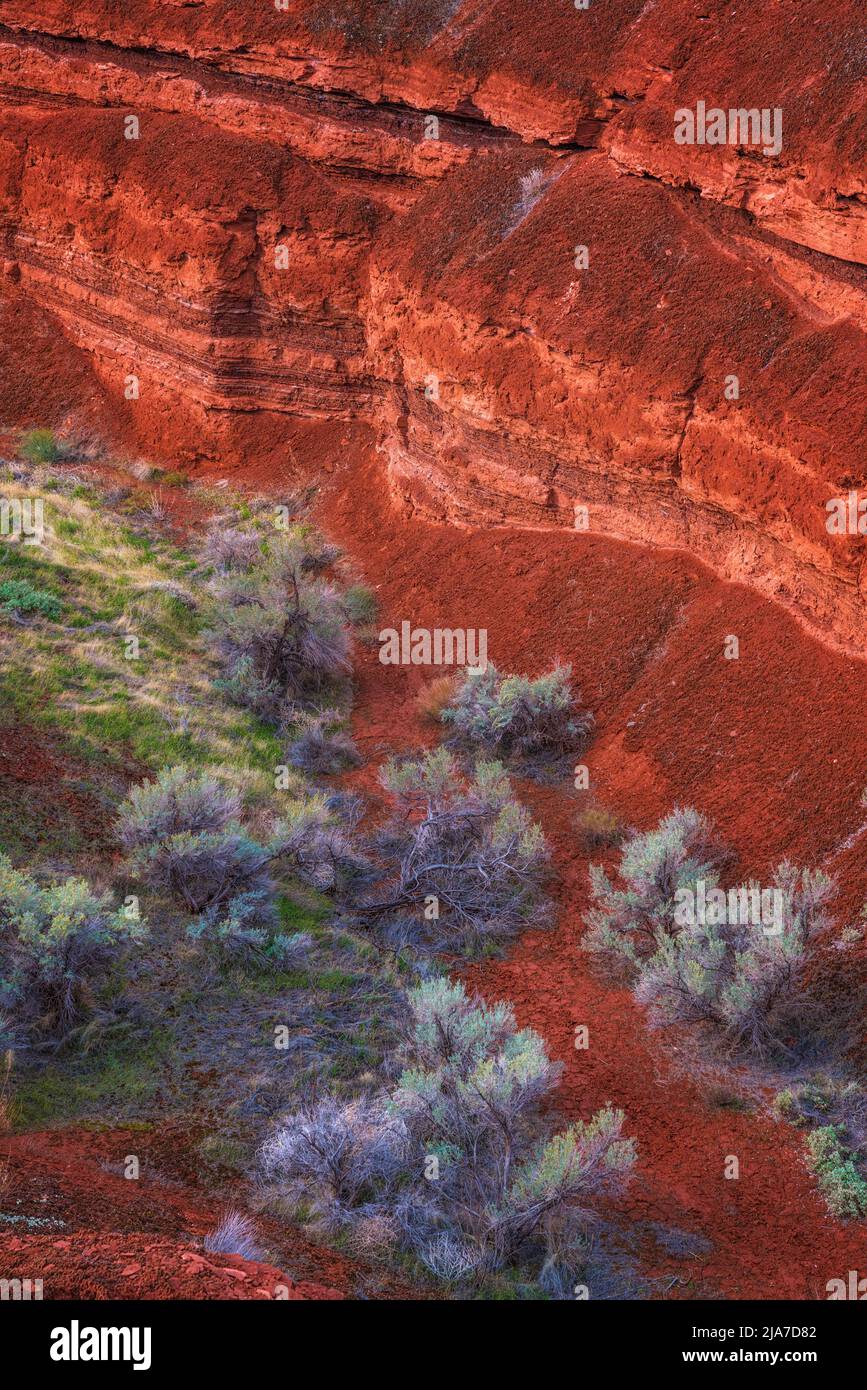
(375, 211)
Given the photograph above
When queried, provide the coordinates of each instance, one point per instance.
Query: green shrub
(629, 923)
(55, 941)
(824, 1100)
(19, 596)
(177, 801)
(184, 837)
(836, 1111)
(841, 1184)
(753, 988)
(242, 932)
(515, 717)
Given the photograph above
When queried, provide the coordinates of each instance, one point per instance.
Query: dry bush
(320, 742)
(235, 1234)
(282, 635)
(336, 1157)
(461, 863)
(434, 697)
(227, 548)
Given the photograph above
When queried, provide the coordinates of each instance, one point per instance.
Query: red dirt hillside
(72, 1219)
(676, 724)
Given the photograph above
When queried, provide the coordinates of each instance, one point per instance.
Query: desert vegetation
(39, 446)
(834, 1112)
(772, 991)
(529, 723)
(459, 865)
(280, 630)
(232, 667)
(185, 837)
(235, 1234)
(456, 1162)
(57, 942)
(758, 988)
(244, 916)
(231, 855)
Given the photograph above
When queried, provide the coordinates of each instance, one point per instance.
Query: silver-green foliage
(462, 862)
(458, 1156)
(186, 838)
(752, 983)
(280, 630)
(56, 942)
(516, 716)
(630, 921)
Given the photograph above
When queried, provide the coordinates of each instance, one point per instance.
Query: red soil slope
(676, 723)
(71, 1218)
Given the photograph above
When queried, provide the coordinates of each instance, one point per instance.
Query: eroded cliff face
(470, 225)
(523, 394)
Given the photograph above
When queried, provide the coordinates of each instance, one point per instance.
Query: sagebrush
(460, 864)
(457, 1162)
(57, 942)
(516, 717)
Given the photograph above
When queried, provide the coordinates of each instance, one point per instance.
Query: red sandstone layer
(425, 292)
(526, 387)
(556, 73)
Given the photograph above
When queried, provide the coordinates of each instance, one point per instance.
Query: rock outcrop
(471, 225)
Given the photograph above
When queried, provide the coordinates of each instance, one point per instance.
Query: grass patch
(116, 1084)
(39, 446)
(114, 700)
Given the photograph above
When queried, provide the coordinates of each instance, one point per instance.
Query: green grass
(110, 582)
(839, 1181)
(220, 1154)
(108, 721)
(302, 915)
(113, 1085)
(39, 446)
(335, 981)
(360, 604)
